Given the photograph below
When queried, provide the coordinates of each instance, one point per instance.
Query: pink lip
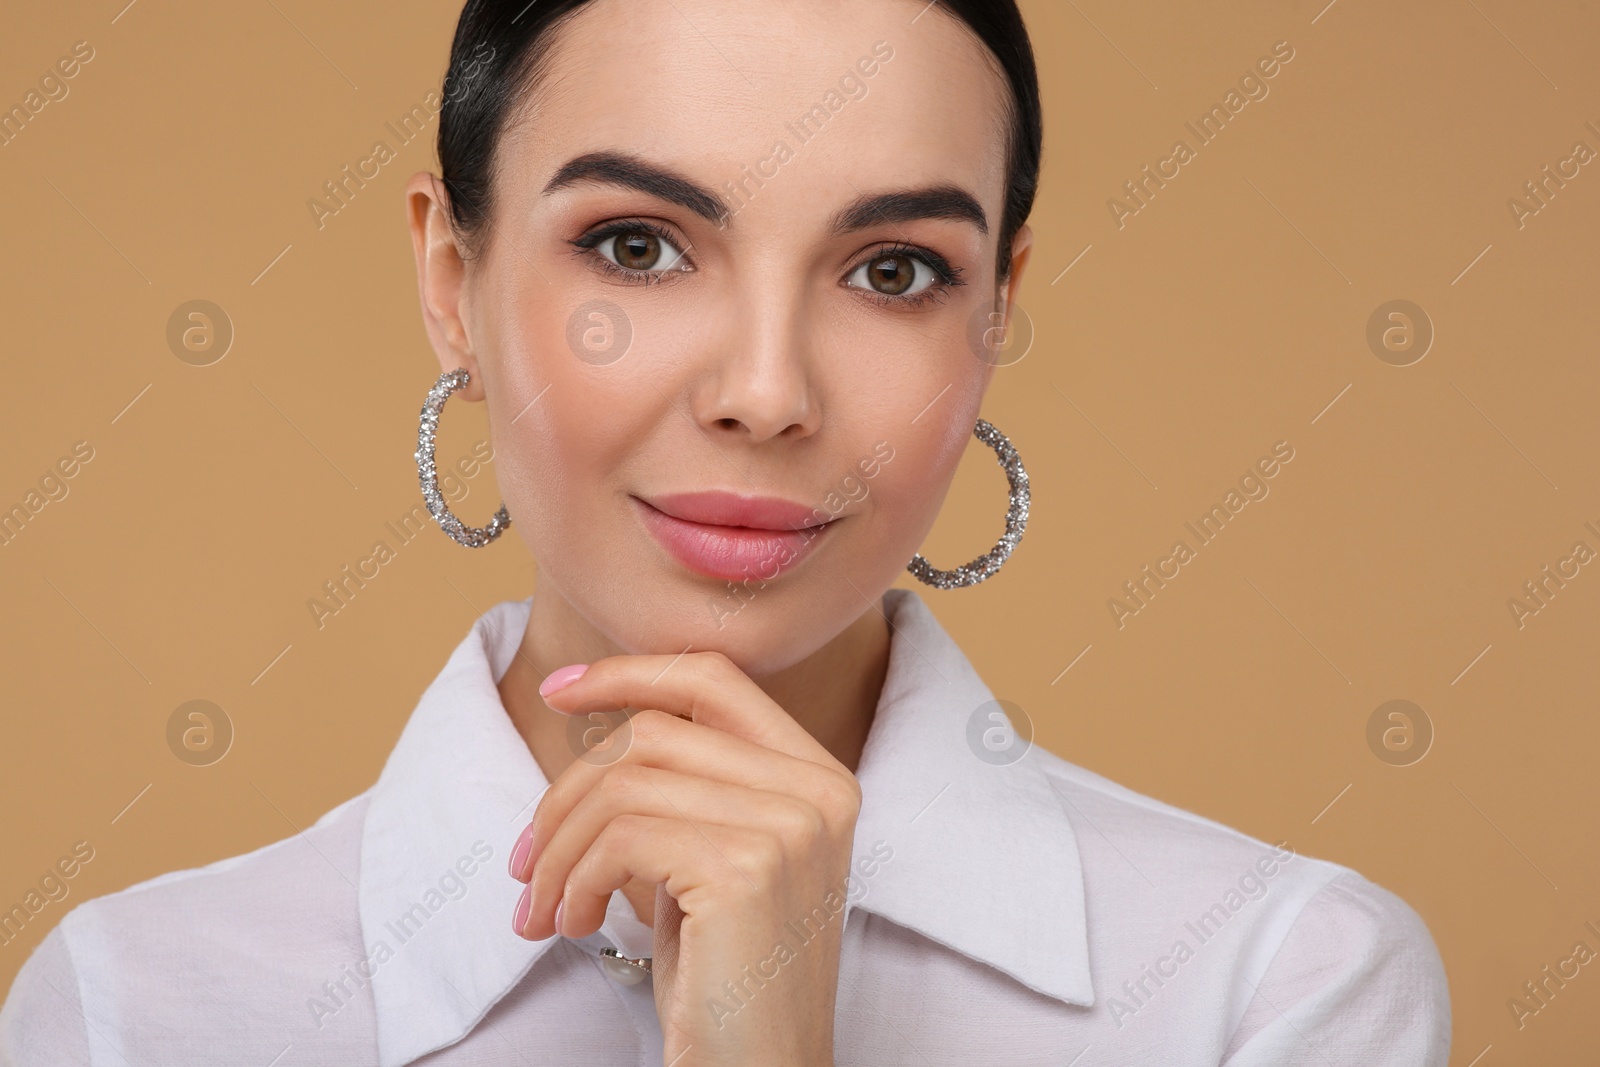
(732, 537)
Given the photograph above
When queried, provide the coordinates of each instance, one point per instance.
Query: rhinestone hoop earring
(1016, 520)
(471, 536)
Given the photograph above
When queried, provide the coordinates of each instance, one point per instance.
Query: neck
(832, 693)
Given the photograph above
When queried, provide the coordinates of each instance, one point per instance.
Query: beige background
(1228, 314)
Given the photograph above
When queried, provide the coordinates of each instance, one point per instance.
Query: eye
(640, 250)
(635, 249)
(904, 275)
(893, 275)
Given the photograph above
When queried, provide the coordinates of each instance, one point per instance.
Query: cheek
(563, 432)
(910, 486)
(564, 457)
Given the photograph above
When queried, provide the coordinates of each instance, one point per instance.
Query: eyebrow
(616, 168)
(944, 201)
(908, 205)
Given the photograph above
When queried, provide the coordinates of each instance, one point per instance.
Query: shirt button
(621, 969)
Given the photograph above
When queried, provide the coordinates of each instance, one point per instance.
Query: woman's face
(717, 265)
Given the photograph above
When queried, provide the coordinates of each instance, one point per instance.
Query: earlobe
(441, 277)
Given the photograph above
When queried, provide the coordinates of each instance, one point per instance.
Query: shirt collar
(985, 860)
(980, 856)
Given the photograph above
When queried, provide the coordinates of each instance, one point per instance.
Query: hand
(744, 823)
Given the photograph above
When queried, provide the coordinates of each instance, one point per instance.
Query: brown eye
(638, 251)
(641, 251)
(891, 275)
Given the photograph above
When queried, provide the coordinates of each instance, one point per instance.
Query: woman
(714, 266)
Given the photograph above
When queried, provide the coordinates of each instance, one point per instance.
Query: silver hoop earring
(1016, 521)
(471, 536)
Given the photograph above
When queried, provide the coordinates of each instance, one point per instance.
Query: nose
(761, 381)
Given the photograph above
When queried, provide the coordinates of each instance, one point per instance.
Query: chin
(644, 602)
(762, 630)
(766, 632)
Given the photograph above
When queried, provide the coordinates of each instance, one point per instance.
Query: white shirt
(1024, 912)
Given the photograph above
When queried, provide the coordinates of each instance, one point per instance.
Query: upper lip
(718, 508)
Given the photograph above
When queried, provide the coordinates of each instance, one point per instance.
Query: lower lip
(731, 553)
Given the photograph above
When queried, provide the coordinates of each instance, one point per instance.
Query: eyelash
(584, 247)
(947, 276)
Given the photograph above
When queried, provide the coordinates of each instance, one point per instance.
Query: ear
(441, 275)
(1021, 252)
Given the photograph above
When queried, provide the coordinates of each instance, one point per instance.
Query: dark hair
(501, 45)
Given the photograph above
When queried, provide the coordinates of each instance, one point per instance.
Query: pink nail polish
(520, 919)
(562, 677)
(557, 921)
(519, 853)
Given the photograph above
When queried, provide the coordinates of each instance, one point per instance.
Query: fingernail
(519, 854)
(560, 904)
(520, 919)
(561, 678)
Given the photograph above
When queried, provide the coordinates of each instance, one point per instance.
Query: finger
(688, 861)
(704, 687)
(659, 739)
(700, 802)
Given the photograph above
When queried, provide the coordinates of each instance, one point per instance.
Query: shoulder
(1279, 939)
(288, 885)
(1357, 977)
(1127, 839)
(267, 927)
(42, 1020)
